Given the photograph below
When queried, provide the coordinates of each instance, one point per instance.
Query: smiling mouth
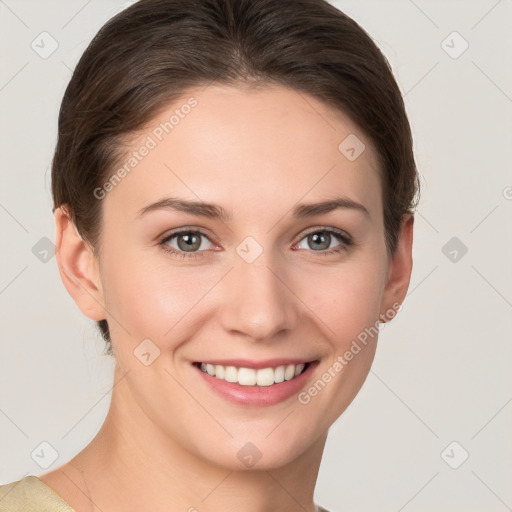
(251, 377)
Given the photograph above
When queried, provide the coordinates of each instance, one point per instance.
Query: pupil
(318, 238)
(191, 241)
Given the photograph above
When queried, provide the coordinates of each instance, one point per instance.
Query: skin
(168, 442)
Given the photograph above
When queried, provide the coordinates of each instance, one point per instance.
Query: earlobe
(399, 273)
(78, 267)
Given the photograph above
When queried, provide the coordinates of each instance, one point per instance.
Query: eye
(185, 244)
(321, 241)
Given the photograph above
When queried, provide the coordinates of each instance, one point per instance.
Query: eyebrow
(214, 211)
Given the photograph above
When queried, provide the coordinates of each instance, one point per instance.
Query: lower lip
(258, 395)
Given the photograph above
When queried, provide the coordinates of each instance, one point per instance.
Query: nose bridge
(257, 301)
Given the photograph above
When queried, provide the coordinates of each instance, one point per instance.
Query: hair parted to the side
(148, 55)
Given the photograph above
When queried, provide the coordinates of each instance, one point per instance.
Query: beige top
(30, 494)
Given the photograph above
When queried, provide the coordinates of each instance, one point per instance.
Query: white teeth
(246, 376)
(265, 377)
(289, 373)
(279, 374)
(220, 371)
(231, 374)
(299, 368)
(251, 377)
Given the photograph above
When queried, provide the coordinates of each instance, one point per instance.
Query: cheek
(148, 298)
(345, 300)
(345, 305)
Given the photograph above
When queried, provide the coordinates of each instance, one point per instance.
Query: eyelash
(346, 242)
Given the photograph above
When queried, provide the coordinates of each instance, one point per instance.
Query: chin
(258, 452)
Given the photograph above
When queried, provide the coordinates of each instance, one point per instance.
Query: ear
(78, 267)
(399, 271)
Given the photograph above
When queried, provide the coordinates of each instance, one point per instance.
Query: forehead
(248, 149)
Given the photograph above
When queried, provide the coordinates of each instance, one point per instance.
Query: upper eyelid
(186, 230)
(336, 231)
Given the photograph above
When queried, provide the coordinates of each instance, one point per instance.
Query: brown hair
(146, 57)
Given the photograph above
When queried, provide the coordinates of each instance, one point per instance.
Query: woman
(234, 186)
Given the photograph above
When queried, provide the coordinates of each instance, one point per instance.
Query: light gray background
(442, 372)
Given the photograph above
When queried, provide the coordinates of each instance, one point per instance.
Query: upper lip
(256, 365)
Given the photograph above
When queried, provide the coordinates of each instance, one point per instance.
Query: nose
(257, 302)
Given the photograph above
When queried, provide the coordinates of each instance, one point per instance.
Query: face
(271, 280)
